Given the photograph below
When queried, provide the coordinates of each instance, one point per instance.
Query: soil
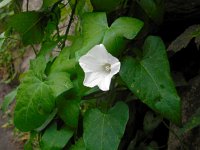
(7, 139)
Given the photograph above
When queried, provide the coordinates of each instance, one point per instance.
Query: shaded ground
(7, 141)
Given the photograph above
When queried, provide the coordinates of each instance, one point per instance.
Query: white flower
(99, 67)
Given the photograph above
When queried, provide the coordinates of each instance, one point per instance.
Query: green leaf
(82, 6)
(68, 111)
(38, 66)
(149, 79)
(59, 82)
(35, 101)
(94, 27)
(153, 8)
(9, 98)
(96, 31)
(47, 121)
(2, 39)
(4, 3)
(47, 47)
(36, 95)
(30, 25)
(123, 27)
(48, 3)
(62, 63)
(103, 131)
(106, 5)
(54, 139)
(79, 145)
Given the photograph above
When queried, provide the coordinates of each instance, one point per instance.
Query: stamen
(107, 67)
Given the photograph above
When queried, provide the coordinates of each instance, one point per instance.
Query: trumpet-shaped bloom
(99, 67)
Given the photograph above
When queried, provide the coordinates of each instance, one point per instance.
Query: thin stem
(69, 25)
(27, 5)
(176, 135)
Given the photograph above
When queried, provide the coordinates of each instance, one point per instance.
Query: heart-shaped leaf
(149, 79)
(103, 131)
(54, 139)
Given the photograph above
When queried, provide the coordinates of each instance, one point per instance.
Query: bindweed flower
(99, 67)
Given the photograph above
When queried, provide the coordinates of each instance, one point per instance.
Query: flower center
(107, 67)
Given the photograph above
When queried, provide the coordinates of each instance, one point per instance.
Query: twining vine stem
(27, 5)
(69, 25)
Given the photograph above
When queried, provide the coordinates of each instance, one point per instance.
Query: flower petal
(111, 59)
(100, 53)
(93, 78)
(104, 84)
(115, 68)
(89, 64)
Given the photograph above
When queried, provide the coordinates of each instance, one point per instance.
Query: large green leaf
(122, 27)
(36, 95)
(149, 79)
(29, 25)
(35, 101)
(103, 131)
(94, 27)
(54, 139)
(96, 31)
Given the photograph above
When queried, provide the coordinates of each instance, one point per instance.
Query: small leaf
(103, 131)
(149, 79)
(9, 98)
(79, 145)
(153, 8)
(68, 111)
(193, 122)
(123, 27)
(4, 3)
(54, 139)
(184, 39)
(151, 122)
(30, 25)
